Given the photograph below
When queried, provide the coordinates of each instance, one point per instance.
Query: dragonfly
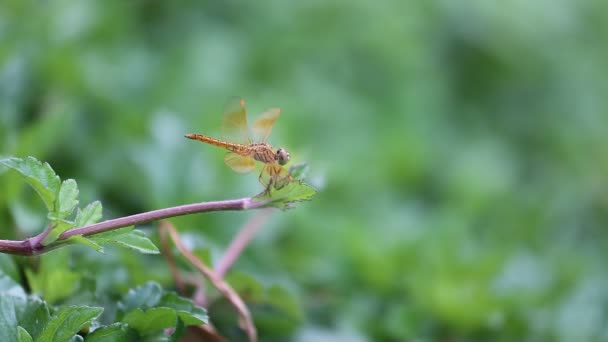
(247, 145)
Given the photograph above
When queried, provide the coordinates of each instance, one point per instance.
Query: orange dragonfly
(247, 146)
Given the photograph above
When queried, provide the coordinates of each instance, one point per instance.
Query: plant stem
(33, 245)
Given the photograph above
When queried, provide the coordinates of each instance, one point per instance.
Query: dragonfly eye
(283, 156)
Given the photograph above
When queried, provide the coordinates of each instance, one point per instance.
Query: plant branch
(33, 245)
(223, 287)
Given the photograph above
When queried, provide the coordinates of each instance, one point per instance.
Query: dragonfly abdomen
(238, 148)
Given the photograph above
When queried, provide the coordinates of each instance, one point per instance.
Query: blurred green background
(461, 149)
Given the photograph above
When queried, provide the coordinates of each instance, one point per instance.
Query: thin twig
(240, 241)
(223, 287)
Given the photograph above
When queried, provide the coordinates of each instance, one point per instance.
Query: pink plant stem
(34, 245)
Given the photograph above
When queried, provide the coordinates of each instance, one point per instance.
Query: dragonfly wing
(239, 163)
(234, 124)
(262, 126)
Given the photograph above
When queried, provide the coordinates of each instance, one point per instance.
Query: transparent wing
(262, 126)
(234, 124)
(239, 163)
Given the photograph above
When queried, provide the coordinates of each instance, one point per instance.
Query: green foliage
(148, 309)
(62, 200)
(145, 311)
(67, 322)
(125, 237)
(461, 149)
(39, 175)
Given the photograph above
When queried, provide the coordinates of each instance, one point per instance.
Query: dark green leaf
(145, 296)
(32, 315)
(67, 322)
(151, 320)
(116, 332)
(39, 175)
(188, 312)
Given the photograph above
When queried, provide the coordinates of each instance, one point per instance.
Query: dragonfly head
(282, 156)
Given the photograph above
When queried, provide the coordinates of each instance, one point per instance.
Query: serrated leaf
(126, 237)
(40, 176)
(89, 215)
(110, 235)
(67, 322)
(285, 197)
(144, 296)
(151, 320)
(81, 240)
(23, 335)
(116, 332)
(138, 241)
(67, 199)
(187, 311)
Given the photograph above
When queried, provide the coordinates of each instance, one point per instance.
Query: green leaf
(285, 197)
(138, 241)
(116, 332)
(187, 311)
(89, 215)
(39, 176)
(179, 332)
(23, 335)
(54, 280)
(79, 239)
(67, 322)
(32, 314)
(151, 320)
(67, 199)
(126, 237)
(145, 296)
(58, 228)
